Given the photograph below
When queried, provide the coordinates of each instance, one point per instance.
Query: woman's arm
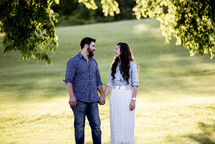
(102, 98)
(134, 94)
(107, 90)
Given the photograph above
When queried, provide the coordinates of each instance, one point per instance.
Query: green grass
(175, 104)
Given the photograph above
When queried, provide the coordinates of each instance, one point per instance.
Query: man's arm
(99, 86)
(72, 99)
(102, 97)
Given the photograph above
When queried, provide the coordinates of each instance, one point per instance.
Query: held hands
(132, 105)
(102, 99)
(72, 102)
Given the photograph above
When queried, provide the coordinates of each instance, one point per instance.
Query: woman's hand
(102, 100)
(132, 105)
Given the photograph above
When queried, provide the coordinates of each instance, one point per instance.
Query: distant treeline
(73, 13)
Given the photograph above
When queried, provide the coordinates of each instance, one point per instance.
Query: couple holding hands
(83, 82)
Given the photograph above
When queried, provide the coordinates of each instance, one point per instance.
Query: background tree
(28, 26)
(191, 22)
(71, 12)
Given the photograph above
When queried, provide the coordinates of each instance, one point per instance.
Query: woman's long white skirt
(122, 120)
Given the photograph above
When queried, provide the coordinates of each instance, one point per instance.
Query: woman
(123, 79)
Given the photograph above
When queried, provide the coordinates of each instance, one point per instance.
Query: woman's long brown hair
(125, 57)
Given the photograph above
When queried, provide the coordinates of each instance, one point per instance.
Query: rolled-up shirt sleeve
(134, 75)
(110, 80)
(70, 71)
(98, 77)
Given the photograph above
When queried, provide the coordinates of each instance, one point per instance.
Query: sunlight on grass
(139, 29)
(52, 121)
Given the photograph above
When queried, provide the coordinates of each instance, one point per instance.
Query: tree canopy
(71, 12)
(28, 25)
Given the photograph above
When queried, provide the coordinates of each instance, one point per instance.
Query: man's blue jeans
(90, 110)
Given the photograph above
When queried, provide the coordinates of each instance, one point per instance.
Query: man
(83, 80)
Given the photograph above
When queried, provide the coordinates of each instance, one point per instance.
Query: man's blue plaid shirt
(85, 78)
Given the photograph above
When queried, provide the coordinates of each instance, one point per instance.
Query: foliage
(28, 27)
(74, 13)
(90, 4)
(109, 6)
(192, 22)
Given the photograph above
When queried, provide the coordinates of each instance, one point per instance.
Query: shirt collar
(81, 56)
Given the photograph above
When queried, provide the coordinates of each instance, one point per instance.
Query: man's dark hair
(86, 40)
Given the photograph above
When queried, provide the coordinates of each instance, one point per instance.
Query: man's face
(91, 49)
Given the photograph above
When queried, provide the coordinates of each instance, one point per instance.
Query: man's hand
(132, 105)
(102, 100)
(72, 102)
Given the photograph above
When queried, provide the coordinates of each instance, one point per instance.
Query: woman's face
(117, 51)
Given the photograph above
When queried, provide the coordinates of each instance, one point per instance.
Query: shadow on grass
(34, 85)
(207, 134)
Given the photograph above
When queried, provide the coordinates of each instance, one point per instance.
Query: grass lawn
(175, 101)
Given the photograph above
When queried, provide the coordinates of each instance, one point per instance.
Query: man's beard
(91, 53)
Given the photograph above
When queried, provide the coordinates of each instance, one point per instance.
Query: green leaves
(90, 4)
(109, 6)
(57, 1)
(190, 22)
(28, 27)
